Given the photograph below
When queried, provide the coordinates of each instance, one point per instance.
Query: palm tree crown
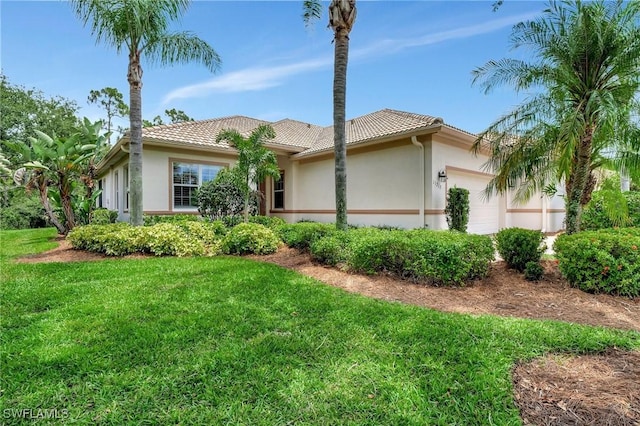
(582, 80)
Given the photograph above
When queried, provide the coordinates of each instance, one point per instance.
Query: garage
(484, 216)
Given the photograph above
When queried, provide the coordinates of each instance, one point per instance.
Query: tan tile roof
(304, 137)
(202, 132)
(379, 124)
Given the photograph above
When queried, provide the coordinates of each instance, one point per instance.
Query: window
(125, 186)
(101, 196)
(278, 192)
(116, 190)
(187, 177)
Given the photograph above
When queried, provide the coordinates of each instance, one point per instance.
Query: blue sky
(414, 56)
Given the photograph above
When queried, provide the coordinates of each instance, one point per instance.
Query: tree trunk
(577, 183)
(44, 199)
(134, 76)
(339, 136)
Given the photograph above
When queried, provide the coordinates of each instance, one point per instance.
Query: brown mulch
(601, 389)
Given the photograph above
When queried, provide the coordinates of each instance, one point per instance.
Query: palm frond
(181, 48)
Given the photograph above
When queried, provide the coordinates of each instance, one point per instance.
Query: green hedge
(518, 246)
(302, 234)
(433, 257)
(119, 239)
(605, 261)
(103, 216)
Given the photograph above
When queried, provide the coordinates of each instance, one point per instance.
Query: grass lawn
(230, 341)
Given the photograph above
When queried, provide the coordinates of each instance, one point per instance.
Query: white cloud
(261, 78)
(247, 80)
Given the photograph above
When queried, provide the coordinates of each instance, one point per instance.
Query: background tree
(141, 28)
(255, 162)
(342, 16)
(585, 71)
(177, 115)
(112, 101)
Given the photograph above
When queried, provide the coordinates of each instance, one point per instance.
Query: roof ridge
(436, 120)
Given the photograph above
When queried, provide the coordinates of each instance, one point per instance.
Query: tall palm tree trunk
(339, 136)
(578, 182)
(134, 76)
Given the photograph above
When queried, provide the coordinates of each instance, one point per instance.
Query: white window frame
(201, 166)
(279, 190)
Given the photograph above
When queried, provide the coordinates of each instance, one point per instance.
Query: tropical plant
(141, 28)
(223, 198)
(111, 100)
(342, 16)
(584, 72)
(255, 162)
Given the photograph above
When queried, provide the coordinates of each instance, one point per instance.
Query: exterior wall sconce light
(442, 175)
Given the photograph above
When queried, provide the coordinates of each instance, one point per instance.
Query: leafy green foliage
(433, 257)
(457, 210)
(302, 234)
(533, 271)
(247, 238)
(272, 222)
(603, 211)
(255, 161)
(604, 261)
(112, 101)
(518, 246)
(23, 212)
(170, 218)
(171, 239)
(332, 249)
(224, 197)
(104, 217)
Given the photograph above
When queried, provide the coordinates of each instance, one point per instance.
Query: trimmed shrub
(533, 271)
(595, 214)
(247, 238)
(269, 221)
(224, 197)
(518, 246)
(457, 210)
(302, 234)
(103, 217)
(331, 249)
(604, 261)
(170, 218)
(433, 257)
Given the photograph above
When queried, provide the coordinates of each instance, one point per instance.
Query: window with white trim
(187, 178)
(278, 192)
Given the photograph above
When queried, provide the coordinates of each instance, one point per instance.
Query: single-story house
(399, 168)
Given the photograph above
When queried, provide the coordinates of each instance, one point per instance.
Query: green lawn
(231, 341)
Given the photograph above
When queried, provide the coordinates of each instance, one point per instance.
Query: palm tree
(584, 72)
(142, 28)
(342, 16)
(255, 162)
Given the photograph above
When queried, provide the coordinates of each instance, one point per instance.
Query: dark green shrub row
(302, 234)
(172, 218)
(269, 221)
(595, 215)
(24, 212)
(518, 246)
(103, 217)
(605, 261)
(434, 257)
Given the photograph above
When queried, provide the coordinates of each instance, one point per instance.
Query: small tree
(457, 209)
(112, 101)
(223, 197)
(255, 162)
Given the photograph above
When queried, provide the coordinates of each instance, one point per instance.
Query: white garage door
(483, 215)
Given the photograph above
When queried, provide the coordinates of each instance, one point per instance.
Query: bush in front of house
(247, 238)
(271, 222)
(518, 246)
(533, 271)
(426, 256)
(331, 249)
(457, 210)
(597, 213)
(171, 239)
(302, 234)
(604, 261)
(103, 216)
(23, 212)
(170, 218)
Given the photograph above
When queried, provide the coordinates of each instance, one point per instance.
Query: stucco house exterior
(399, 168)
